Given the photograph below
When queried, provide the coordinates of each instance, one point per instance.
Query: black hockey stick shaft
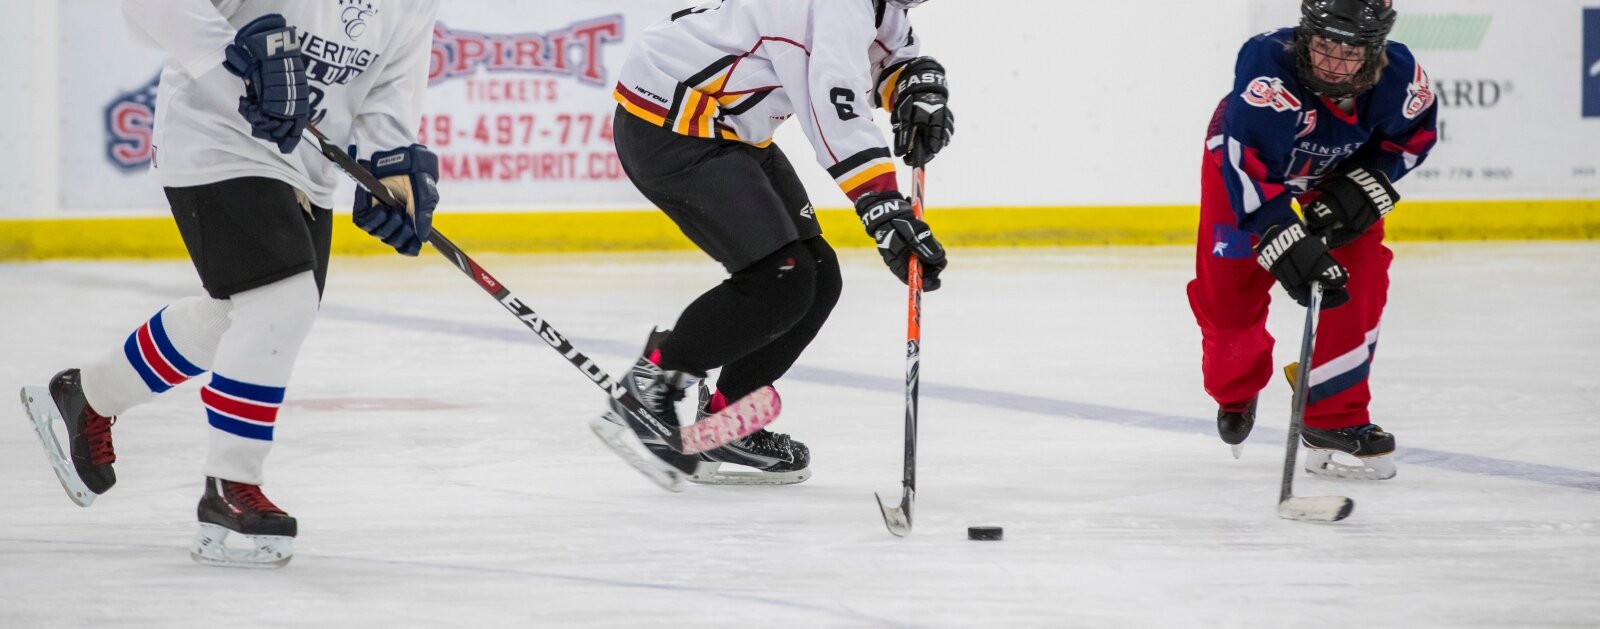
(613, 388)
(1302, 391)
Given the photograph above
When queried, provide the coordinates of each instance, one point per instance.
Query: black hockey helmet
(1358, 24)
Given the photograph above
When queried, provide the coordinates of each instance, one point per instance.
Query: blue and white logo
(1591, 63)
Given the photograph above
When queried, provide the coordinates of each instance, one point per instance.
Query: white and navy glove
(1297, 259)
(1348, 203)
(411, 174)
(920, 113)
(900, 234)
(277, 99)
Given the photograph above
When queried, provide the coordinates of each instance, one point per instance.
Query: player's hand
(900, 234)
(1297, 259)
(276, 101)
(923, 122)
(1348, 203)
(411, 174)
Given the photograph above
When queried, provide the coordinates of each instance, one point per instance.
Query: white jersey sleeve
(389, 116)
(831, 86)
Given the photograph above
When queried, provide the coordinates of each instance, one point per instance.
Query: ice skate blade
(43, 413)
(1237, 449)
(1316, 509)
(711, 473)
(897, 519)
(621, 440)
(1320, 463)
(210, 548)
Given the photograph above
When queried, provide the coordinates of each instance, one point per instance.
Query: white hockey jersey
(366, 61)
(736, 69)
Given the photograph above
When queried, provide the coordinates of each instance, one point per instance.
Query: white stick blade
(1316, 509)
(896, 518)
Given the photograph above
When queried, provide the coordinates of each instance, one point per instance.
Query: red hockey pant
(1229, 296)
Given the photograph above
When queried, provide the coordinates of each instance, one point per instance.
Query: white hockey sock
(175, 345)
(253, 364)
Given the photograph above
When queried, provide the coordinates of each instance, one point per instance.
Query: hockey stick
(898, 519)
(739, 419)
(1318, 508)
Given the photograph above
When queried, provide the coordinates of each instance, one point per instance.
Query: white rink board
(1059, 104)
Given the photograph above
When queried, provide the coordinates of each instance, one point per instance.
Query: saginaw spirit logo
(575, 51)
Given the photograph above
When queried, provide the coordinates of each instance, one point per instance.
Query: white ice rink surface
(435, 455)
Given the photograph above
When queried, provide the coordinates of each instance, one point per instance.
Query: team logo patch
(1270, 92)
(354, 16)
(1421, 95)
(1230, 242)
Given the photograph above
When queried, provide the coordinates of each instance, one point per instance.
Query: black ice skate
(86, 472)
(638, 444)
(1234, 422)
(776, 459)
(1370, 445)
(230, 507)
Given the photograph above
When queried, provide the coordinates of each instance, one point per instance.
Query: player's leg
(1229, 297)
(256, 243)
(719, 195)
(778, 458)
(1337, 419)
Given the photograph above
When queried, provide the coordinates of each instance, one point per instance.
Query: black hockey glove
(923, 122)
(411, 174)
(890, 221)
(1348, 203)
(277, 99)
(1297, 259)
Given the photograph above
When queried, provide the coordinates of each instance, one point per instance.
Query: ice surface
(435, 455)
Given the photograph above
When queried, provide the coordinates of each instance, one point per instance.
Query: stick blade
(1316, 508)
(741, 418)
(897, 519)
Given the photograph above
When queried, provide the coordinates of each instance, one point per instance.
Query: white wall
(28, 109)
(1058, 102)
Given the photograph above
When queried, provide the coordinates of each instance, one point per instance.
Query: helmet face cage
(1360, 26)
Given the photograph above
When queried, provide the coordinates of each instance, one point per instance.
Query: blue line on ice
(1466, 463)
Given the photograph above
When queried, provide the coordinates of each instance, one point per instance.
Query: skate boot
(775, 458)
(1372, 447)
(86, 472)
(1234, 422)
(639, 444)
(230, 507)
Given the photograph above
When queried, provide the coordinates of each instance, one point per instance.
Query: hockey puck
(985, 533)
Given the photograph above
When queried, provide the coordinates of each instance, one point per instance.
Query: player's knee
(288, 306)
(829, 283)
(784, 283)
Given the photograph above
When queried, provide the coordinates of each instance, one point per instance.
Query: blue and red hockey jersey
(1275, 140)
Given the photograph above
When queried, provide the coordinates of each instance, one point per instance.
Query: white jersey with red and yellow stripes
(736, 69)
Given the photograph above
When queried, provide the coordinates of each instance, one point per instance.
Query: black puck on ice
(985, 533)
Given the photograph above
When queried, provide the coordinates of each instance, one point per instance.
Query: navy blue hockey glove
(1297, 259)
(411, 174)
(277, 100)
(1348, 203)
(900, 234)
(923, 122)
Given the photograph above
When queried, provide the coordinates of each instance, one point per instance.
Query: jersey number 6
(844, 100)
